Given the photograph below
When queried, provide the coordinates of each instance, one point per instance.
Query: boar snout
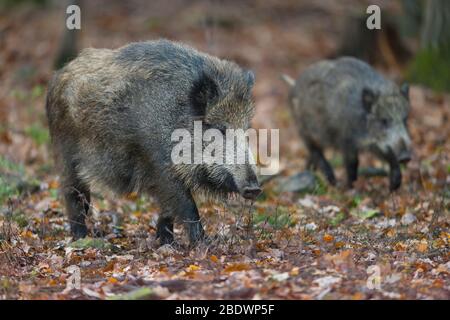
(251, 192)
(247, 182)
(404, 157)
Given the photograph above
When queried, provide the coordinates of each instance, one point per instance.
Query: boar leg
(191, 219)
(77, 197)
(164, 230)
(317, 159)
(395, 174)
(351, 165)
(193, 224)
(177, 202)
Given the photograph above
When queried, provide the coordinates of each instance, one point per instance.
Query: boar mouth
(404, 157)
(227, 184)
(393, 159)
(251, 192)
(387, 154)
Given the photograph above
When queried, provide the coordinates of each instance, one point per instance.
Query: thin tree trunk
(436, 29)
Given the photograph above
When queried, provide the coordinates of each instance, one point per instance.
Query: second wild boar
(346, 105)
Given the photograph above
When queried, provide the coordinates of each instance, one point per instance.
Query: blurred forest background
(303, 242)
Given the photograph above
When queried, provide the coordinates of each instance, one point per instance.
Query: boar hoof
(165, 238)
(78, 231)
(395, 185)
(164, 230)
(395, 181)
(196, 233)
(331, 180)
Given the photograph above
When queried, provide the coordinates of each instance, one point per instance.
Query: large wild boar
(111, 114)
(345, 104)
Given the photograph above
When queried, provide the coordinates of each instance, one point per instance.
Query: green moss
(336, 161)
(337, 219)
(20, 219)
(85, 243)
(18, 94)
(321, 186)
(54, 193)
(38, 133)
(9, 185)
(365, 214)
(9, 166)
(431, 67)
(37, 91)
(355, 201)
(138, 294)
(6, 190)
(278, 220)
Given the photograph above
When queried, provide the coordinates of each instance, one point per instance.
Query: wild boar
(345, 104)
(111, 114)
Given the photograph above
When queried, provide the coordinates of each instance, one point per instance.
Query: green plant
(321, 186)
(278, 220)
(38, 133)
(6, 190)
(37, 91)
(431, 67)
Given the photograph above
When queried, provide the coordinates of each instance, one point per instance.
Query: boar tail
(288, 80)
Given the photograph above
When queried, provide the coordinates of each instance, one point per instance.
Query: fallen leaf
(280, 276)
(112, 280)
(192, 268)
(236, 267)
(295, 271)
(54, 184)
(328, 238)
(422, 246)
(327, 281)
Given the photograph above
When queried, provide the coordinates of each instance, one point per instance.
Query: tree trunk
(436, 29)
(431, 64)
(377, 47)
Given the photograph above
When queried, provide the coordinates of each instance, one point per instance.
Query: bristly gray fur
(111, 114)
(345, 104)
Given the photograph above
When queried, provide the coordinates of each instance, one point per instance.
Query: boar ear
(368, 98)
(250, 78)
(404, 89)
(204, 93)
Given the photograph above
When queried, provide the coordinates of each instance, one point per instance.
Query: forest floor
(330, 243)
